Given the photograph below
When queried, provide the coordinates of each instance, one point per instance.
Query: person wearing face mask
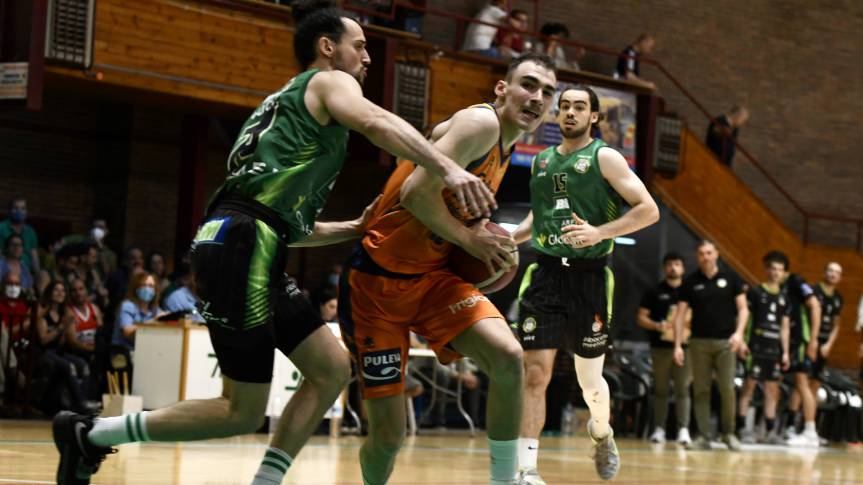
(13, 250)
(15, 225)
(107, 257)
(139, 307)
(16, 321)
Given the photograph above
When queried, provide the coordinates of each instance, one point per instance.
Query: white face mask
(97, 233)
(13, 291)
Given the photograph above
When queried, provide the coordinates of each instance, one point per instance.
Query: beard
(359, 73)
(570, 134)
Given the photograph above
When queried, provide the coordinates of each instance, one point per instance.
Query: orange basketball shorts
(377, 313)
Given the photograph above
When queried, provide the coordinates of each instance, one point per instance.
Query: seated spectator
(156, 267)
(87, 319)
(15, 326)
(140, 307)
(15, 225)
(510, 42)
(65, 268)
(60, 369)
(89, 270)
(184, 297)
(479, 37)
(118, 282)
(628, 64)
(328, 304)
(551, 46)
(722, 133)
(14, 263)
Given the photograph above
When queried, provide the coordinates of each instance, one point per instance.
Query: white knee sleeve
(595, 392)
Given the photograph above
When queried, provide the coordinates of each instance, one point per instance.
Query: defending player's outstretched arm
(642, 214)
(326, 233)
(338, 95)
(469, 134)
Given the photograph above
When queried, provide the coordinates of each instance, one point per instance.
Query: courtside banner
(13, 80)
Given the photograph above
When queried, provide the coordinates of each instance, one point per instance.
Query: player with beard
(831, 306)
(577, 189)
(280, 172)
(398, 278)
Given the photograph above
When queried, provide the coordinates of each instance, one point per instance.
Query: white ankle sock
(809, 427)
(528, 449)
(128, 428)
(504, 460)
(273, 467)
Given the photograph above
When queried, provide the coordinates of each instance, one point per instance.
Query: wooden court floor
(28, 456)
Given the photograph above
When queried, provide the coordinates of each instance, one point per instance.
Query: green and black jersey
(285, 160)
(563, 184)
(767, 309)
(831, 307)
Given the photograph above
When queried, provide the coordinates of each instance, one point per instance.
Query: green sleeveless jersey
(285, 160)
(563, 184)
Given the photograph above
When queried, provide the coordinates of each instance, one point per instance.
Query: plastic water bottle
(567, 420)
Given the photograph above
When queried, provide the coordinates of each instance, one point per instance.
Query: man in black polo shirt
(719, 316)
(656, 315)
(628, 63)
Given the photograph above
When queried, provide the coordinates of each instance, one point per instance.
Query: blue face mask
(145, 293)
(18, 216)
(333, 279)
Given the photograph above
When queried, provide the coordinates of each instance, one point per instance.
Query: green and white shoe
(531, 477)
(605, 455)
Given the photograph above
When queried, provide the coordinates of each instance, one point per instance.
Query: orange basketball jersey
(398, 242)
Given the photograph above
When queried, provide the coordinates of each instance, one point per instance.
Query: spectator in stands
(479, 37)
(81, 335)
(719, 317)
(628, 63)
(15, 224)
(90, 272)
(15, 321)
(118, 282)
(656, 315)
(13, 250)
(510, 43)
(859, 328)
(184, 297)
(59, 368)
(65, 268)
(156, 266)
(327, 302)
(107, 257)
(552, 33)
(139, 307)
(722, 133)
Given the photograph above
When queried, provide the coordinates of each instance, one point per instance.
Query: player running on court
(398, 280)
(280, 172)
(566, 298)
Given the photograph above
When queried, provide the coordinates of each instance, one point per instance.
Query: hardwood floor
(27, 455)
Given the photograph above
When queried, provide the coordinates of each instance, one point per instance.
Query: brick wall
(794, 63)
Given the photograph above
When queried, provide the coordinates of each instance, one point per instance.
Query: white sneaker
(804, 440)
(531, 477)
(683, 437)
(658, 436)
(789, 433)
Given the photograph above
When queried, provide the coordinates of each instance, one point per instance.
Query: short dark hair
(671, 256)
(16, 198)
(516, 12)
(554, 28)
(776, 257)
(315, 19)
(323, 295)
(704, 242)
(591, 94)
(536, 57)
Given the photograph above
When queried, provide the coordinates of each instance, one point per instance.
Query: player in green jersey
(576, 189)
(280, 172)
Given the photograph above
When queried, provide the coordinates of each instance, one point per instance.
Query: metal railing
(462, 20)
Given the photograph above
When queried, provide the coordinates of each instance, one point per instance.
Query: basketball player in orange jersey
(397, 278)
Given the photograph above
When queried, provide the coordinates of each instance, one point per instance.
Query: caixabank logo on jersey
(382, 367)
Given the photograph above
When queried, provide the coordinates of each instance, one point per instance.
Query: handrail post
(805, 229)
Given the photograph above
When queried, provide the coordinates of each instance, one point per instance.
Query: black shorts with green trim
(250, 305)
(800, 362)
(567, 305)
(764, 367)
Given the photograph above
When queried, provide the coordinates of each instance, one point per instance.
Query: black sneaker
(79, 459)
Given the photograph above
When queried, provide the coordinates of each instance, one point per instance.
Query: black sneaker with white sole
(79, 459)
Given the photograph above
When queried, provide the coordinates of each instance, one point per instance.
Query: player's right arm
(339, 96)
(679, 317)
(469, 135)
(785, 339)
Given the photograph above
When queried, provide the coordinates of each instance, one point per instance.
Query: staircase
(710, 199)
